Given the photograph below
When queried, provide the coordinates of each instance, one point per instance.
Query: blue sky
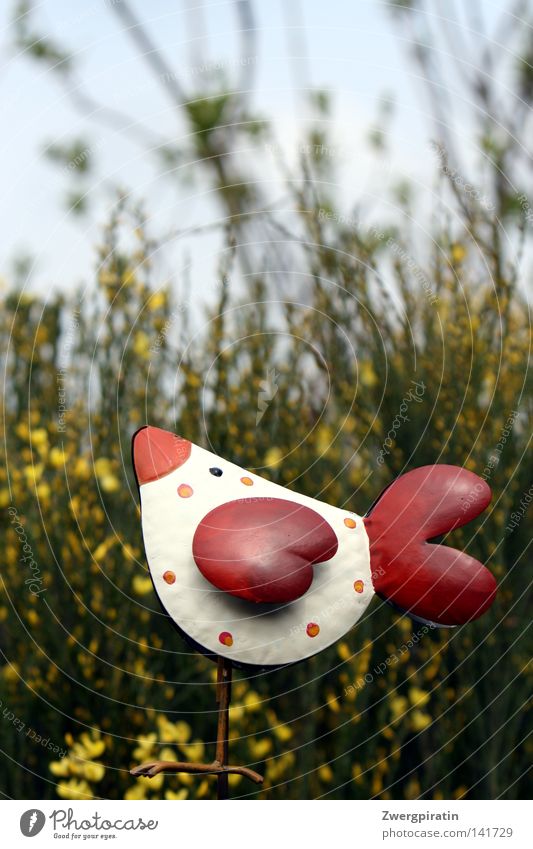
(350, 49)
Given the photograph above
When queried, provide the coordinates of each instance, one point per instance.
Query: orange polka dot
(358, 586)
(350, 523)
(184, 490)
(169, 577)
(225, 638)
(247, 481)
(312, 629)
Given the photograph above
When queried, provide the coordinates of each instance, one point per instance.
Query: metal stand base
(219, 766)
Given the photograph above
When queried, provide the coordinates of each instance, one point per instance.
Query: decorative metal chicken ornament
(262, 576)
(252, 571)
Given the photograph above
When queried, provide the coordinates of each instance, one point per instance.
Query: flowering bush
(89, 660)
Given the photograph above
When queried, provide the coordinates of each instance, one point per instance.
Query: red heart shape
(262, 549)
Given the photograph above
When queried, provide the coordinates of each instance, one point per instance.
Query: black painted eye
(216, 472)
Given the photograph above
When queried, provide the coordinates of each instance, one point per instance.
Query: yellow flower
(100, 552)
(367, 375)
(33, 617)
(273, 457)
(377, 784)
(458, 252)
(89, 747)
(22, 430)
(156, 782)
(43, 491)
(33, 472)
(157, 300)
(182, 732)
(11, 672)
(324, 438)
(129, 277)
(412, 791)
(357, 773)
(141, 585)
(109, 483)
(404, 624)
(203, 789)
(195, 750)
(282, 732)
(236, 712)
(93, 771)
(398, 706)
(57, 458)
(102, 466)
(259, 749)
(343, 650)
(41, 337)
(145, 748)
(325, 773)
(74, 789)
(332, 702)
(81, 468)
(60, 768)
(252, 702)
(167, 754)
(418, 697)
(39, 437)
(173, 732)
(193, 380)
(129, 552)
(419, 720)
(97, 514)
(137, 791)
(181, 794)
(141, 344)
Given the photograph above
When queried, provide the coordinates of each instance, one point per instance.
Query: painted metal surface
(262, 550)
(434, 582)
(263, 634)
(265, 576)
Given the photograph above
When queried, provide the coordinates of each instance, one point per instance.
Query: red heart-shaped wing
(262, 549)
(433, 582)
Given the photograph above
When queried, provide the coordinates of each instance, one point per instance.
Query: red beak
(158, 452)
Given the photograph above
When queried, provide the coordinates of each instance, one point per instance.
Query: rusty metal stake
(224, 675)
(219, 766)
